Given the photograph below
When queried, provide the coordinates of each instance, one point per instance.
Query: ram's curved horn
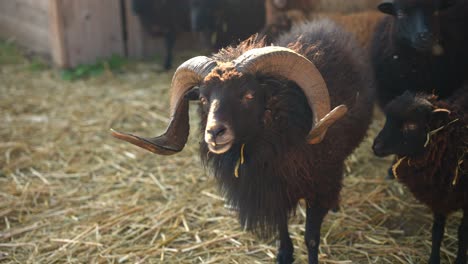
(188, 75)
(284, 62)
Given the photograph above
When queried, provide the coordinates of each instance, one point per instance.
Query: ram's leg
(170, 39)
(462, 239)
(314, 221)
(286, 249)
(438, 226)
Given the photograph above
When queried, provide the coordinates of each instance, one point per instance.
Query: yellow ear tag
(239, 162)
(456, 177)
(395, 167)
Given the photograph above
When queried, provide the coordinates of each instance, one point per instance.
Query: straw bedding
(69, 193)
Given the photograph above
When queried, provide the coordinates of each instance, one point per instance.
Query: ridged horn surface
(188, 75)
(284, 62)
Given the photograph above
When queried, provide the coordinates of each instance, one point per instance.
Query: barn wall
(85, 30)
(26, 22)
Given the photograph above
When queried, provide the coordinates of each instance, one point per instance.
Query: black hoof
(284, 257)
(434, 260)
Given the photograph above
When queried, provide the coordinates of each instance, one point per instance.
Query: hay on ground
(71, 193)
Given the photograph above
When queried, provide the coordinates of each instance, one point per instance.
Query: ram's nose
(219, 138)
(379, 148)
(216, 131)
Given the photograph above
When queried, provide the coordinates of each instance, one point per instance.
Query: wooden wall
(77, 32)
(27, 23)
(83, 31)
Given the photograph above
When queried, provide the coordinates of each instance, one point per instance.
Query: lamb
(420, 47)
(430, 138)
(268, 135)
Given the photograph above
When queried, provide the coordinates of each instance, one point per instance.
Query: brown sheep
(430, 138)
(361, 24)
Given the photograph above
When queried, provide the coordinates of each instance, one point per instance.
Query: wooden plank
(42, 5)
(26, 35)
(26, 22)
(24, 14)
(57, 37)
(85, 30)
(139, 44)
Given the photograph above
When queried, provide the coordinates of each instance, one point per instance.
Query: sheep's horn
(188, 75)
(295, 67)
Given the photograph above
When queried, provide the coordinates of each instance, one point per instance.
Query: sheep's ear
(387, 8)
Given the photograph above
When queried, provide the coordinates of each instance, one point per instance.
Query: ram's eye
(247, 97)
(203, 100)
(409, 126)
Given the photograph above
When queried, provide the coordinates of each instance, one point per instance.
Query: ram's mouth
(219, 148)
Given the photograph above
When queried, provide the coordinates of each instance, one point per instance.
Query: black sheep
(163, 18)
(238, 20)
(264, 113)
(422, 46)
(217, 20)
(430, 138)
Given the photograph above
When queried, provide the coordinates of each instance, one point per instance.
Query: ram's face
(416, 21)
(234, 109)
(405, 129)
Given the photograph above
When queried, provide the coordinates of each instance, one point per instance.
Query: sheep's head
(229, 91)
(232, 107)
(417, 22)
(407, 125)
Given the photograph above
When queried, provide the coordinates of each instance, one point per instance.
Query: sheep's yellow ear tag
(239, 162)
(317, 133)
(395, 167)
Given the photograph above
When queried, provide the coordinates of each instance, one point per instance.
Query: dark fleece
(280, 168)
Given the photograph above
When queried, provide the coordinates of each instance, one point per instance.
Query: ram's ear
(193, 94)
(387, 7)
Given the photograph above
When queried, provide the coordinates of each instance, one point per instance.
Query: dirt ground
(70, 193)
